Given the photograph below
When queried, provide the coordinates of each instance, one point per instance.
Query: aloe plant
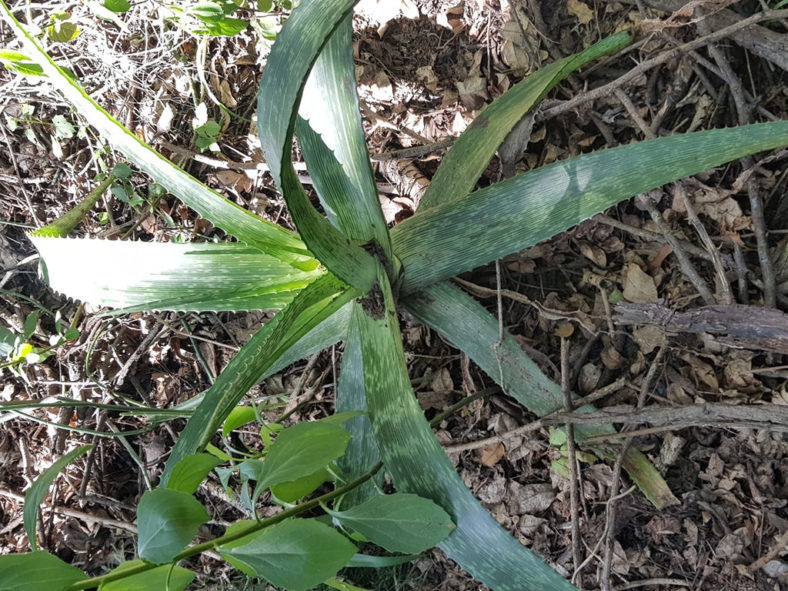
(345, 275)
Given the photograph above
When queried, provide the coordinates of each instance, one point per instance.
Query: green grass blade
(297, 48)
(169, 276)
(39, 488)
(311, 306)
(329, 109)
(418, 464)
(245, 226)
(466, 161)
(460, 319)
(535, 206)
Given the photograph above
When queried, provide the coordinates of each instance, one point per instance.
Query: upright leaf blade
(297, 554)
(418, 464)
(532, 207)
(362, 452)
(334, 144)
(170, 276)
(167, 521)
(466, 161)
(298, 46)
(38, 491)
(242, 224)
(461, 320)
(311, 306)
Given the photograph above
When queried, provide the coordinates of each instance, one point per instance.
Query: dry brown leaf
(594, 254)
(638, 286)
(580, 10)
(237, 180)
(492, 454)
(473, 92)
(442, 382)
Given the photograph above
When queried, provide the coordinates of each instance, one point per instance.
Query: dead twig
(768, 417)
(571, 454)
(633, 73)
(610, 516)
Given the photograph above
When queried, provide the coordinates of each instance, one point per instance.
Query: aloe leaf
(298, 45)
(39, 488)
(169, 276)
(334, 146)
(311, 306)
(242, 224)
(462, 320)
(535, 206)
(418, 464)
(328, 332)
(468, 158)
(362, 452)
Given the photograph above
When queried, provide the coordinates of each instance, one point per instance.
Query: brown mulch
(424, 71)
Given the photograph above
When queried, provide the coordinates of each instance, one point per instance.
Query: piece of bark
(747, 327)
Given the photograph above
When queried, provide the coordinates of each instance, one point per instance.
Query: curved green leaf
(298, 45)
(460, 319)
(468, 158)
(297, 554)
(418, 464)
(399, 522)
(334, 146)
(242, 224)
(168, 576)
(167, 520)
(298, 451)
(36, 571)
(169, 276)
(38, 490)
(191, 471)
(532, 207)
(311, 306)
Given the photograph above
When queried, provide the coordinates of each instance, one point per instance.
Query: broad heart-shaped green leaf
(316, 302)
(298, 451)
(334, 146)
(167, 520)
(297, 47)
(247, 227)
(191, 471)
(168, 576)
(399, 523)
(468, 158)
(297, 554)
(37, 571)
(460, 319)
(526, 209)
(169, 276)
(417, 463)
(38, 490)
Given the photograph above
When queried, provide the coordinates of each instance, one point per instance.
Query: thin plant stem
(227, 538)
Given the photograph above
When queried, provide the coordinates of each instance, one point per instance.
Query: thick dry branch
(747, 327)
(769, 417)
